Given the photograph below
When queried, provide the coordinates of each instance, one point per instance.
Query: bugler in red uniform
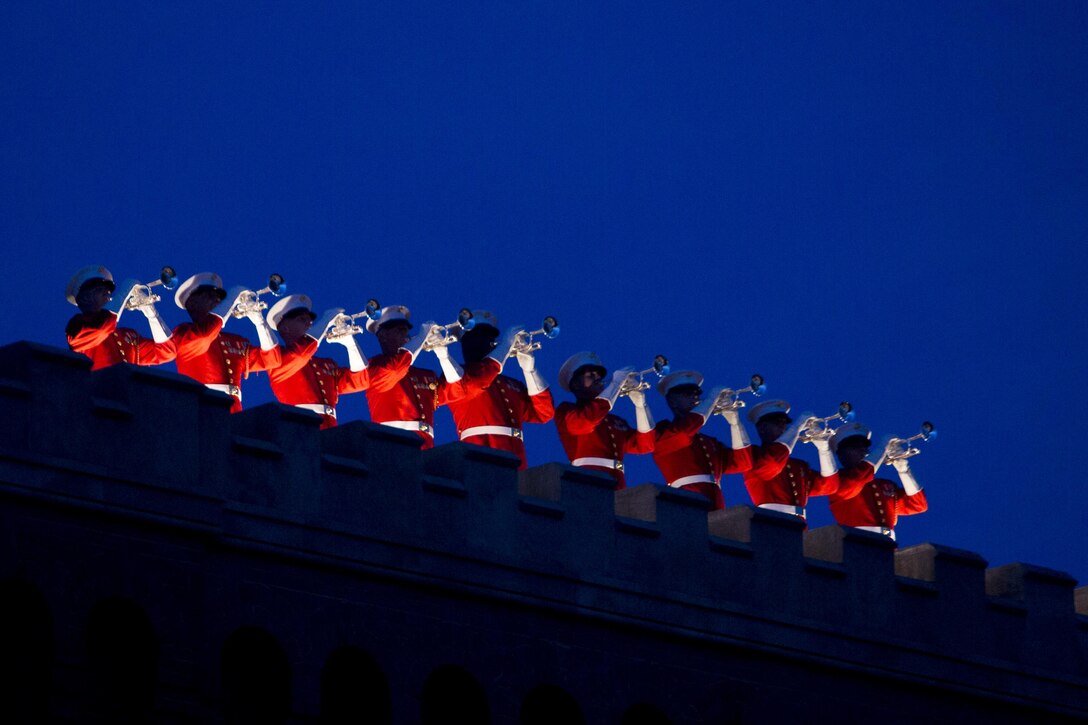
(690, 459)
(210, 356)
(493, 415)
(94, 331)
(876, 504)
(776, 481)
(405, 396)
(592, 436)
(305, 381)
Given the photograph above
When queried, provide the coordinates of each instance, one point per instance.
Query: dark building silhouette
(162, 561)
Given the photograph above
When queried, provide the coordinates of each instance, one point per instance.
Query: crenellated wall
(136, 483)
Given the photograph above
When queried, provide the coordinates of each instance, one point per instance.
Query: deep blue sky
(879, 202)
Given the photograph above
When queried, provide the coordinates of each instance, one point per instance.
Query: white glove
(121, 293)
(534, 382)
(264, 332)
(505, 348)
(707, 403)
(356, 361)
(450, 369)
(644, 419)
(222, 310)
(877, 455)
(737, 432)
(159, 332)
(415, 343)
(910, 484)
(789, 438)
(611, 392)
(828, 465)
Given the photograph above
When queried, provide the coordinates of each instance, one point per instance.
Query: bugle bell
(523, 341)
(141, 295)
(899, 448)
(659, 368)
(819, 429)
(445, 335)
(729, 399)
(251, 301)
(344, 325)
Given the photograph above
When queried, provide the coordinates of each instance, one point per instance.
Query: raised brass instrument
(660, 368)
(344, 325)
(141, 295)
(899, 448)
(523, 342)
(819, 429)
(729, 399)
(251, 301)
(445, 335)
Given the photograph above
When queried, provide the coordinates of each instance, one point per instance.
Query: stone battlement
(150, 446)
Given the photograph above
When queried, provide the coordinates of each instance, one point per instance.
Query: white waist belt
(417, 425)
(602, 462)
(784, 508)
(890, 533)
(318, 408)
(688, 480)
(228, 389)
(490, 430)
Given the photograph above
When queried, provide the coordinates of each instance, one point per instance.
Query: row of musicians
(489, 408)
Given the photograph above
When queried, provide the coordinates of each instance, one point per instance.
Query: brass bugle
(820, 428)
(251, 301)
(730, 399)
(344, 324)
(660, 368)
(523, 341)
(445, 335)
(900, 448)
(141, 295)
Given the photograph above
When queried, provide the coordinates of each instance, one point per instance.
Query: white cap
(288, 304)
(680, 377)
(766, 408)
(390, 314)
(85, 275)
(485, 317)
(204, 279)
(575, 361)
(849, 430)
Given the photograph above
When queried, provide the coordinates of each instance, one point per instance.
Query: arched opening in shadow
(452, 696)
(354, 689)
(256, 678)
(122, 662)
(550, 704)
(644, 714)
(27, 651)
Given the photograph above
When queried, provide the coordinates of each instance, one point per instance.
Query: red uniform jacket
(777, 478)
(208, 355)
(504, 402)
(879, 503)
(401, 391)
(680, 450)
(303, 378)
(589, 430)
(98, 337)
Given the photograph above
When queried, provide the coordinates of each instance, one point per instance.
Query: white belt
(688, 480)
(318, 408)
(602, 462)
(417, 425)
(784, 508)
(890, 533)
(491, 430)
(228, 389)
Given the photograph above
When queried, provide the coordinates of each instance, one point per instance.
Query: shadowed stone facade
(164, 561)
